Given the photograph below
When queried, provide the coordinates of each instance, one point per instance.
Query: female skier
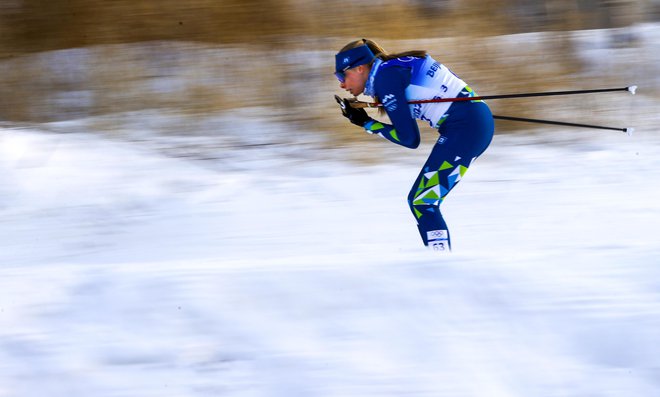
(466, 128)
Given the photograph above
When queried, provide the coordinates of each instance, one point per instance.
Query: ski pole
(631, 89)
(628, 131)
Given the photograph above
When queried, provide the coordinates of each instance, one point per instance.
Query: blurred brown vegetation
(39, 25)
(198, 55)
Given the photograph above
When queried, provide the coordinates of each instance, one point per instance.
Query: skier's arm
(390, 86)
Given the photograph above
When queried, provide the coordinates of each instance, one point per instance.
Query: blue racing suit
(466, 129)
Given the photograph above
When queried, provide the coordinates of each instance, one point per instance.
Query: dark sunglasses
(341, 76)
(354, 57)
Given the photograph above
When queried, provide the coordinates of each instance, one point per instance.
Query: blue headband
(351, 58)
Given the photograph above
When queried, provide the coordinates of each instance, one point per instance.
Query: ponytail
(380, 52)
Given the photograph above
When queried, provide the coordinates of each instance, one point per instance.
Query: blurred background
(169, 224)
(73, 59)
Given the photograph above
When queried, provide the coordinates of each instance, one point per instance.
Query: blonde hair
(380, 52)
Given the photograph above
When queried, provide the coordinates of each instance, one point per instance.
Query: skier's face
(355, 79)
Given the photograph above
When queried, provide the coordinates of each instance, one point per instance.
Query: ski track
(255, 264)
(129, 273)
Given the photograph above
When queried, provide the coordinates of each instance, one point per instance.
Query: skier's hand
(356, 116)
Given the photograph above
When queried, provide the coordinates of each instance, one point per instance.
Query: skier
(466, 128)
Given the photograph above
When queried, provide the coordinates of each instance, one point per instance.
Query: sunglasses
(341, 75)
(355, 57)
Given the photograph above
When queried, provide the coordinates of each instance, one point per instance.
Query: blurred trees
(36, 25)
(169, 55)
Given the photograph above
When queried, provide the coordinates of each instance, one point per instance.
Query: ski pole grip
(632, 89)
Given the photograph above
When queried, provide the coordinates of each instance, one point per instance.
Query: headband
(354, 57)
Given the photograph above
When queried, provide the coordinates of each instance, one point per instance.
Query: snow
(129, 270)
(236, 254)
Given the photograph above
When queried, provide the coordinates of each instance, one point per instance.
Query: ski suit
(466, 129)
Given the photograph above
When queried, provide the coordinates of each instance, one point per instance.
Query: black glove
(357, 116)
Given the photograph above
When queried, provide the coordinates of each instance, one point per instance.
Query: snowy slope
(126, 271)
(236, 255)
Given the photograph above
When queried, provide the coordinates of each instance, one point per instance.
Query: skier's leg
(463, 139)
(440, 173)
